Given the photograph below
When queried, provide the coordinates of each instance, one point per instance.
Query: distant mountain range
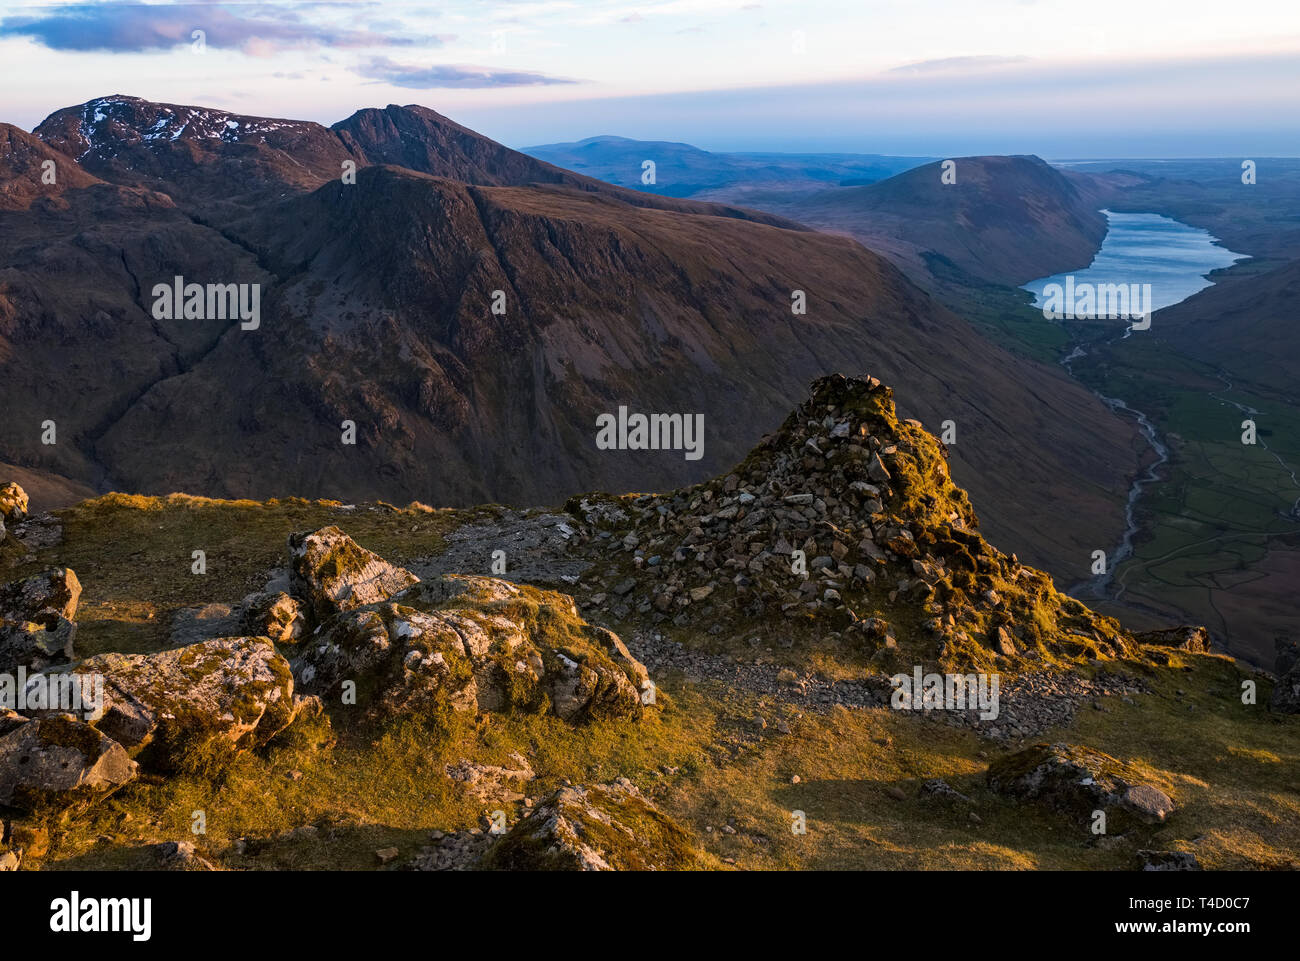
(377, 308)
(681, 170)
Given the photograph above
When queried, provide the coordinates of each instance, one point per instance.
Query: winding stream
(1100, 585)
(1175, 260)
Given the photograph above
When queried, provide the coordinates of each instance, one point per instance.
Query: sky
(1059, 78)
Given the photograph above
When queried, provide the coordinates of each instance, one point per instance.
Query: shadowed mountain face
(377, 308)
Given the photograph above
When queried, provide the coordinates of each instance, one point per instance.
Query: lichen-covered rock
(468, 643)
(331, 573)
(36, 626)
(399, 659)
(605, 827)
(195, 707)
(34, 646)
(13, 504)
(490, 783)
(58, 764)
(589, 687)
(613, 645)
(42, 598)
(1194, 640)
(1079, 780)
(273, 614)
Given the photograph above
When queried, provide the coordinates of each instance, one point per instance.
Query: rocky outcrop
(1079, 780)
(845, 515)
(331, 573)
(25, 644)
(56, 764)
(36, 620)
(465, 643)
(13, 504)
(491, 783)
(1194, 640)
(605, 827)
(42, 598)
(195, 707)
(273, 614)
(1286, 690)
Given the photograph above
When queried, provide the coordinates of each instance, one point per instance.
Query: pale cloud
(957, 64)
(451, 76)
(127, 27)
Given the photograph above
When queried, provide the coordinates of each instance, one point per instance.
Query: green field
(1221, 508)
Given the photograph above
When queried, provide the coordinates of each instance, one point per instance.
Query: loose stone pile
(890, 549)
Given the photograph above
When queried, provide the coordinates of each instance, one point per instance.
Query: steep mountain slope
(24, 162)
(376, 302)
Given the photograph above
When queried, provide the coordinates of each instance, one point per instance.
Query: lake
(1148, 249)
